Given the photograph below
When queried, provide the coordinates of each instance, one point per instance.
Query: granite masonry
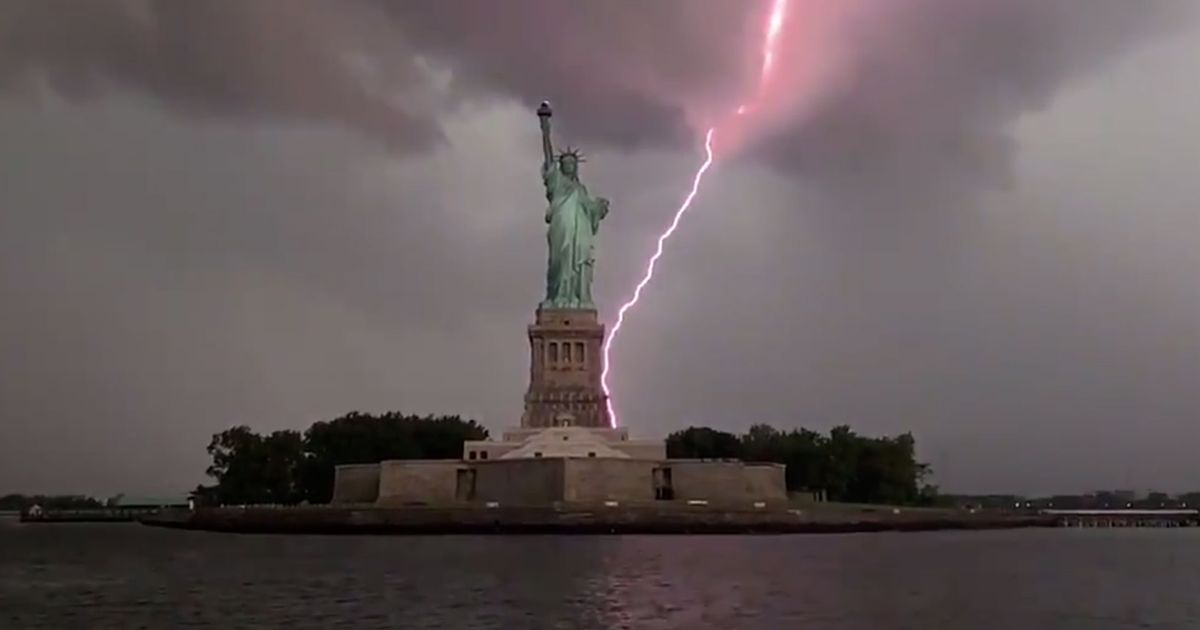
(564, 452)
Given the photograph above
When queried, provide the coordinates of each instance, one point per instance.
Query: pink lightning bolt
(770, 50)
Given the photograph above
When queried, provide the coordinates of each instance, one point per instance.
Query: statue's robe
(574, 217)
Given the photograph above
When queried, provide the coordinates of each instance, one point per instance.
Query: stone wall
(767, 482)
(726, 482)
(642, 449)
(608, 434)
(519, 481)
(431, 482)
(597, 480)
(356, 483)
(486, 449)
(543, 481)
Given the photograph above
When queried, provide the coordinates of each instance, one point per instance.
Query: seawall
(573, 520)
(93, 515)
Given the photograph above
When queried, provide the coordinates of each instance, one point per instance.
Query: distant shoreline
(88, 515)
(576, 520)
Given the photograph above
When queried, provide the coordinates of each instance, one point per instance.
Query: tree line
(844, 465)
(22, 502)
(287, 467)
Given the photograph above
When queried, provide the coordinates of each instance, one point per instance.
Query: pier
(1124, 518)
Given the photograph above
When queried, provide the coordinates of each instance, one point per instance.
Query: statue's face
(569, 165)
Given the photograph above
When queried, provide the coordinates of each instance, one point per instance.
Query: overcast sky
(975, 220)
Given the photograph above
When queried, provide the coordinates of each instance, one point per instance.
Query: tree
(765, 443)
(802, 451)
(358, 438)
(847, 466)
(250, 468)
(886, 471)
(288, 467)
(22, 502)
(804, 454)
(703, 443)
(841, 461)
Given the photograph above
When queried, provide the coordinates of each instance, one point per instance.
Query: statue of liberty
(574, 217)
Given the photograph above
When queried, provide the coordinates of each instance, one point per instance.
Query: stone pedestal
(564, 375)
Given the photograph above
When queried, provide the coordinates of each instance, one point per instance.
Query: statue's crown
(571, 153)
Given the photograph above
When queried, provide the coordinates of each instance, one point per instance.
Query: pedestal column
(564, 373)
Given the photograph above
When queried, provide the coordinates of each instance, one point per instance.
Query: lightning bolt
(770, 51)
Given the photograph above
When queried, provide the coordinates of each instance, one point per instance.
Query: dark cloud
(919, 95)
(922, 89)
(621, 71)
(276, 62)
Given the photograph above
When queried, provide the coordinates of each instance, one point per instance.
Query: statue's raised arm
(544, 113)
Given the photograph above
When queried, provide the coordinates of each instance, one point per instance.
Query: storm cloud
(260, 60)
(865, 86)
(971, 219)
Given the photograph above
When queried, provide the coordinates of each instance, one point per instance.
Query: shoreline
(574, 520)
(88, 515)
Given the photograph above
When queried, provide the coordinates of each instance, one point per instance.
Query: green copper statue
(574, 217)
